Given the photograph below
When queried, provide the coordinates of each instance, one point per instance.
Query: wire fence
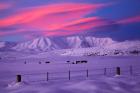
(79, 74)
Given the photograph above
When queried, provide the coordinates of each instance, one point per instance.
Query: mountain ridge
(44, 44)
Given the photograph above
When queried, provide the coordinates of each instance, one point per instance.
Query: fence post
(131, 70)
(118, 71)
(87, 73)
(18, 78)
(69, 74)
(105, 71)
(47, 76)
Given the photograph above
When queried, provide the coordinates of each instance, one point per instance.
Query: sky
(22, 20)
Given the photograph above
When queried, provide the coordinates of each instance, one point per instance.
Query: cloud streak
(12, 32)
(5, 6)
(130, 20)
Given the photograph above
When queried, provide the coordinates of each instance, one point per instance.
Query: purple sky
(22, 20)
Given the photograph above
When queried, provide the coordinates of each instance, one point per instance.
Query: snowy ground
(100, 85)
(110, 83)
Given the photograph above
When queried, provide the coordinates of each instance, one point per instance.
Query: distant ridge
(45, 44)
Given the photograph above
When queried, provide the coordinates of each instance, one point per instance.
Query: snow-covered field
(96, 85)
(96, 82)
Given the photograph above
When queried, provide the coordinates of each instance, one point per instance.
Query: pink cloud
(75, 23)
(32, 14)
(51, 19)
(52, 22)
(129, 20)
(66, 28)
(76, 26)
(5, 6)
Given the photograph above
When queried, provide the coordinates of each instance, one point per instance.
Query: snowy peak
(38, 44)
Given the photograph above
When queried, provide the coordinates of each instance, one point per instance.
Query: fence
(79, 74)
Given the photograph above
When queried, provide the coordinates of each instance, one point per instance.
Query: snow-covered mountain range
(77, 43)
(45, 44)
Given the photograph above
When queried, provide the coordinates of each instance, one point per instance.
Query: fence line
(78, 74)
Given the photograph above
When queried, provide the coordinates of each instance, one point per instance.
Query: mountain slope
(38, 44)
(7, 46)
(46, 44)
